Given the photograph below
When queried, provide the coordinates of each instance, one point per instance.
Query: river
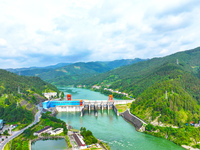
(110, 128)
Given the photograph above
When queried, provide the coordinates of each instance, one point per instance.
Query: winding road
(16, 133)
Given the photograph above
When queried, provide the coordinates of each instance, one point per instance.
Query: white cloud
(164, 51)
(3, 42)
(34, 31)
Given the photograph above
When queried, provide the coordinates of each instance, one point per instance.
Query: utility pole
(165, 94)
(17, 105)
(177, 62)
(18, 89)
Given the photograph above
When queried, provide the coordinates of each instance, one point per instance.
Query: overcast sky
(46, 32)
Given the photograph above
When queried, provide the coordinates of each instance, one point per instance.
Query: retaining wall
(115, 110)
(133, 120)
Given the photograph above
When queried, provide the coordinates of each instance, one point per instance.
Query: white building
(79, 141)
(49, 95)
(56, 131)
(96, 87)
(44, 130)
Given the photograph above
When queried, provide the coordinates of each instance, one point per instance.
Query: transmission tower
(177, 62)
(165, 94)
(18, 89)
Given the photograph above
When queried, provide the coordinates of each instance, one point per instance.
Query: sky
(41, 33)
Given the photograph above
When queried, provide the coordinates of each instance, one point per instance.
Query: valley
(166, 92)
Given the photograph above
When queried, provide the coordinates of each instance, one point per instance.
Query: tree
(33, 99)
(6, 132)
(62, 95)
(7, 102)
(149, 127)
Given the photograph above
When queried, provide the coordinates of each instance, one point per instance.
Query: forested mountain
(147, 81)
(9, 84)
(35, 71)
(18, 105)
(72, 73)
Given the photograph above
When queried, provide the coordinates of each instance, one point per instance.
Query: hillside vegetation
(20, 107)
(34, 71)
(148, 81)
(70, 74)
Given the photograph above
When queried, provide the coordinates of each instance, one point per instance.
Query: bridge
(76, 105)
(103, 104)
(81, 105)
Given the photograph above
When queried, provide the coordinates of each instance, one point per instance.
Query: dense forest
(180, 136)
(18, 96)
(175, 99)
(148, 81)
(9, 83)
(14, 113)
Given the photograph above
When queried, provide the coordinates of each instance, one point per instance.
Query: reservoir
(110, 128)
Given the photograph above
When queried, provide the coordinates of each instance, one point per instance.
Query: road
(16, 133)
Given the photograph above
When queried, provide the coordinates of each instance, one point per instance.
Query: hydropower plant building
(81, 105)
(69, 105)
(52, 104)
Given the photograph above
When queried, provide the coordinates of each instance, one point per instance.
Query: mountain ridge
(19, 95)
(71, 73)
(177, 74)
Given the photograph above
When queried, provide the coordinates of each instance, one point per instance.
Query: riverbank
(107, 92)
(110, 128)
(87, 139)
(187, 136)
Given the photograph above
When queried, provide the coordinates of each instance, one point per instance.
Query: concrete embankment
(132, 119)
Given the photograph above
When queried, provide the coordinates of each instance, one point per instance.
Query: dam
(81, 105)
(108, 127)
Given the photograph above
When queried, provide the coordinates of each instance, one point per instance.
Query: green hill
(72, 74)
(20, 107)
(147, 81)
(35, 71)
(69, 74)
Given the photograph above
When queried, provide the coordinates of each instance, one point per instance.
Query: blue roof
(1, 120)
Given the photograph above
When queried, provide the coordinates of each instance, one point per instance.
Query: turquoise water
(58, 144)
(79, 93)
(110, 128)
